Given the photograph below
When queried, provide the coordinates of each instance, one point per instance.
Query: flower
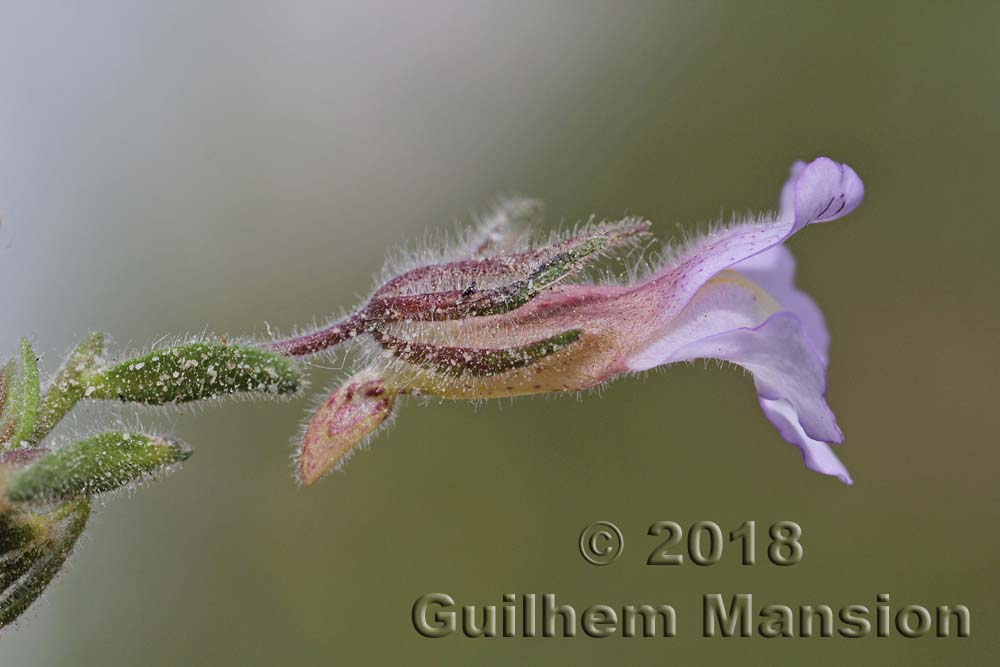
(498, 317)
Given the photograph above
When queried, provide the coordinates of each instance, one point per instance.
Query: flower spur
(503, 318)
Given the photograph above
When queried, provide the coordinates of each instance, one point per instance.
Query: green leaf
(30, 391)
(22, 397)
(17, 565)
(103, 463)
(67, 387)
(194, 372)
(17, 531)
(8, 402)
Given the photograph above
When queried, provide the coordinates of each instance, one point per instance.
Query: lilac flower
(499, 317)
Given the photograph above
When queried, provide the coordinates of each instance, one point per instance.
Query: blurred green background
(189, 165)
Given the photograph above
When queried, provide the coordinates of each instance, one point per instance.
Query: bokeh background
(178, 167)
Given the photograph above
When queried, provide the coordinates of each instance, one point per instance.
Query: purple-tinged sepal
(343, 422)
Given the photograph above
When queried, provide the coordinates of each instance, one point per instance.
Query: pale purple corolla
(498, 316)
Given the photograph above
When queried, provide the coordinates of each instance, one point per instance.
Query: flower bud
(103, 463)
(194, 372)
